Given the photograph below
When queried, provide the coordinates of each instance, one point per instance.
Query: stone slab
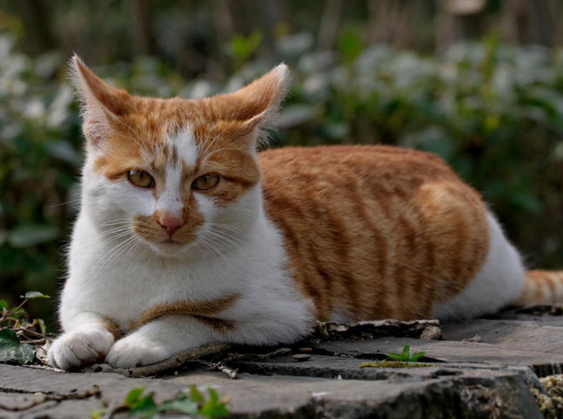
(493, 376)
(448, 352)
(510, 334)
(258, 396)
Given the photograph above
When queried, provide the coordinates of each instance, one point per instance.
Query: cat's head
(174, 174)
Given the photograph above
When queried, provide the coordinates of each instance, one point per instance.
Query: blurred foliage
(243, 47)
(495, 112)
(139, 404)
(19, 335)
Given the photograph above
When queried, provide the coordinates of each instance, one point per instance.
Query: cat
(187, 236)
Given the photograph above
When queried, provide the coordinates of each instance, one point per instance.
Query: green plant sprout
(143, 406)
(406, 355)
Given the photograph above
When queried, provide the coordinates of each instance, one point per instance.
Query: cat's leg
(169, 335)
(88, 338)
(158, 340)
(499, 281)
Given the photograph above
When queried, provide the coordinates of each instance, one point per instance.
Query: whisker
(72, 201)
(134, 246)
(118, 228)
(234, 234)
(122, 250)
(120, 234)
(213, 249)
(108, 256)
(115, 222)
(228, 239)
(229, 227)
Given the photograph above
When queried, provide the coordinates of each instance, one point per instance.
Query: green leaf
(25, 354)
(145, 407)
(8, 337)
(193, 404)
(396, 357)
(214, 411)
(213, 408)
(196, 395)
(3, 304)
(141, 407)
(180, 405)
(416, 356)
(12, 351)
(134, 395)
(405, 355)
(32, 295)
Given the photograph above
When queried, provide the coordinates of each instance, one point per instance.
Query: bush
(494, 112)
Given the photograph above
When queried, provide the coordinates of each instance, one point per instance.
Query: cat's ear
(102, 104)
(257, 104)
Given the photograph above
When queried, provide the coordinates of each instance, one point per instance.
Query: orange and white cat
(187, 235)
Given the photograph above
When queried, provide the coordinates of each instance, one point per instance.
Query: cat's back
(340, 164)
(374, 231)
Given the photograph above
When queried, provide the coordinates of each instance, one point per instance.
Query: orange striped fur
(364, 228)
(112, 327)
(201, 310)
(542, 287)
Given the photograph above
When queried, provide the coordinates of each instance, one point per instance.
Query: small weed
(394, 364)
(143, 406)
(406, 355)
(18, 334)
(399, 360)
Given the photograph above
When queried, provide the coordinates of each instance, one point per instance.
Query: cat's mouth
(169, 246)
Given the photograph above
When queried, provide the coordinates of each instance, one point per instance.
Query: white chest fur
(123, 285)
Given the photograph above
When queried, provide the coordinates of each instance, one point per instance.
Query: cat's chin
(168, 248)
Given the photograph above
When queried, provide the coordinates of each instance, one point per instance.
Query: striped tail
(542, 287)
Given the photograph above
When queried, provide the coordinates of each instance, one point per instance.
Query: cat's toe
(80, 347)
(132, 352)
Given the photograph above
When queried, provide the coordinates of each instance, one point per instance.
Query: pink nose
(171, 224)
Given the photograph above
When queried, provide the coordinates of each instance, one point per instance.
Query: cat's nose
(171, 224)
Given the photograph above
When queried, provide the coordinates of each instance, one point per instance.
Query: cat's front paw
(136, 351)
(80, 347)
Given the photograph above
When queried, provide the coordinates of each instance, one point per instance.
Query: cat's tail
(541, 287)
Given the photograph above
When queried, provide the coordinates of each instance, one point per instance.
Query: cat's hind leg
(499, 282)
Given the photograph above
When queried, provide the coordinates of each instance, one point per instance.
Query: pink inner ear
(102, 103)
(95, 92)
(257, 102)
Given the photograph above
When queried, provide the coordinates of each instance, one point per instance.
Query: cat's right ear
(102, 104)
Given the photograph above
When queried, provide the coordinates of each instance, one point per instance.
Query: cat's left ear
(102, 104)
(256, 105)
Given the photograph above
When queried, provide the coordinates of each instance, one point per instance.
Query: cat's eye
(140, 178)
(206, 182)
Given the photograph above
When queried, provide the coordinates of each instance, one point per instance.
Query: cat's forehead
(164, 133)
(178, 148)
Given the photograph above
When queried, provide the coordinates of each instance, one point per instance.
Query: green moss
(394, 364)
